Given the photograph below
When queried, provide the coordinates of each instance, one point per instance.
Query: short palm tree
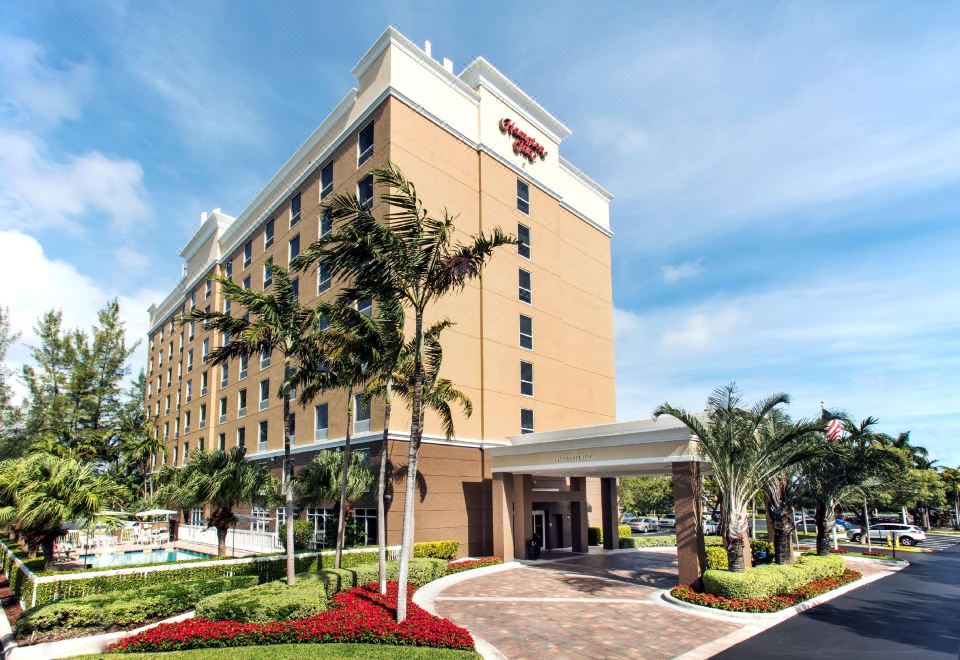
(223, 480)
(319, 482)
(410, 258)
(42, 491)
(273, 322)
(743, 457)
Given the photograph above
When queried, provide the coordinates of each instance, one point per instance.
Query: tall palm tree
(141, 448)
(274, 322)
(411, 258)
(319, 482)
(40, 492)
(222, 479)
(743, 456)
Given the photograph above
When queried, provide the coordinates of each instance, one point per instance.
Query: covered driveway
(582, 605)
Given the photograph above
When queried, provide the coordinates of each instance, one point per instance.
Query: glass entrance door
(539, 528)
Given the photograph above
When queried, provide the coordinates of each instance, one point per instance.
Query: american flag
(834, 429)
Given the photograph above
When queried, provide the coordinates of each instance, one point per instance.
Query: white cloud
(673, 274)
(617, 134)
(31, 284)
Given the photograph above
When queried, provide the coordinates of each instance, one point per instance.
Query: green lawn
(298, 651)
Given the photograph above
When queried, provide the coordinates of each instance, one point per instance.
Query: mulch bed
(770, 604)
(9, 602)
(71, 633)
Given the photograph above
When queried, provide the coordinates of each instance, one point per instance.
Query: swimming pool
(133, 557)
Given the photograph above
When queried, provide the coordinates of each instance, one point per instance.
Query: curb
(425, 597)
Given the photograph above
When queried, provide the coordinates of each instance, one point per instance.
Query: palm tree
(280, 324)
(222, 479)
(743, 455)
(412, 259)
(141, 447)
(842, 465)
(319, 482)
(951, 480)
(42, 491)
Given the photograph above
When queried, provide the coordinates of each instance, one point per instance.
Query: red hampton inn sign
(523, 144)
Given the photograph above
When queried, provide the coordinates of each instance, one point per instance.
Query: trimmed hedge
(771, 579)
(271, 601)
(302, 535)
(594, 535)
(648, 542)
(624, 531)
(716, 558)
(437, 549)
(125, 607)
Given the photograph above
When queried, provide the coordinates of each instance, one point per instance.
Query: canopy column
(691, 555)
(610, 512)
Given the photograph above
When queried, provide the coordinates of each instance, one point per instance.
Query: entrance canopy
(645, 447)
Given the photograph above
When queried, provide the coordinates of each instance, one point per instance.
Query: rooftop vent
(427, 48)
(448, 64)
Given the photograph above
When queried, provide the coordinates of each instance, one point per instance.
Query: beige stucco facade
(441, 129)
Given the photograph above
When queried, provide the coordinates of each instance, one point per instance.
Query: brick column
(502, 490)
(522, 514)
(578, 515)
(610, 512)
(691, 556)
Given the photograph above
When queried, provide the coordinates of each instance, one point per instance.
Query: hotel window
(153, 343)
(526, 332)
(295, 285)
(203, 383)
(295, 209)
(523, 234)
(151, 366)
(321, 519)
(526, 420)
(193, 300)
(246, 282)
(282, 515)
(196, 515)
(264, 393)
(221, 441)
(190, 360)
(226, 306)
(267, 273)
(293, 428)
(223, 409)
(181, 342)
(186, 452)
(247, 253)
(294, 251)
(207, 288)
(160, 358)
(176, 456)
(178, 399)
(189, 390)
(170, 355)
(366, 520)
(206, 348)
(166, 410)
(526, 288)
(262, 436)
(203, 415)
(169, 376)
(323, 277)
(526, 378)
(326, 180)
(243, 366)
(186, 424)
(166, 430)
(326, 224)
(158, 384)
(241, 403)
(320, 422)
(161, 335)
(365, 143)
(365, 191)
(156, 409)
(268, 233)
(265, 359)
(193, 327)
(176, 428)
(523, 197)
(179, 371)
(362, 423)
(228, 269)
(149, 389)
(365, 306)
(224, 374)
(241, 437)
(261, 519)
(200, 444)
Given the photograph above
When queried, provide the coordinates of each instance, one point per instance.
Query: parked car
(668, 520)
(627, 517)
(905, 534)
(798, 519)
(710, 526)
(644, 525)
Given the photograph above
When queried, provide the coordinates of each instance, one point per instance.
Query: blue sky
(786, 174)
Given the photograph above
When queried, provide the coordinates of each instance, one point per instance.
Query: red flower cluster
(771, 604)
(839, 551)
(874, 553)
(360, 615)
(460, 566)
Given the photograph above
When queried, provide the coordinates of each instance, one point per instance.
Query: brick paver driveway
(590, 606)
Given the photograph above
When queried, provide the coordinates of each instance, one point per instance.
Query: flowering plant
(770, 604)
(360, 615)
(466, 565)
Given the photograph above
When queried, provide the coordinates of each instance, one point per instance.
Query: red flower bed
(839, 551)
(460, 566)
(359, 615)
(874, 553)
(771, 604)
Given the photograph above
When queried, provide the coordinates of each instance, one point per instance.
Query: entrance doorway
(539, 528)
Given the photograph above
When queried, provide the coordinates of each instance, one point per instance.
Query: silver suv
(904, 534)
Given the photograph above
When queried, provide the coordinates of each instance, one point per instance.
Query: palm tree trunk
(288, 478)
(344, 476)
(825, 521)
(47, 545)
(783, 526)
(222, 540)
(416, 434)
(382, 490)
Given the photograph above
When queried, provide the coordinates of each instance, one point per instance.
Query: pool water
(133, 557)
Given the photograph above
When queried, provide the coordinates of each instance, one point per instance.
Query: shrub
(762, 551)
(437, 549)
(628, 543)
(712, 540)
(771, 579)
(716, 558)
(594, 536)
(358, 615)
(769, 604)
(302, 535)
(271, 601)
(624, 531)
(123, 608)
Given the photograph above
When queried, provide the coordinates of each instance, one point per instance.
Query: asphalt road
(914, 613)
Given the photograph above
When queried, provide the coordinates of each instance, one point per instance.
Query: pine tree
(11, 419)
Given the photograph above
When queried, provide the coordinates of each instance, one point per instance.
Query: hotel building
(533, 340)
